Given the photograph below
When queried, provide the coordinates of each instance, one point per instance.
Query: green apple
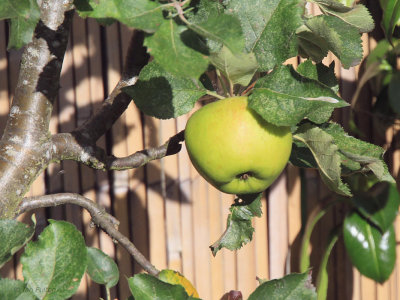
(234, 148)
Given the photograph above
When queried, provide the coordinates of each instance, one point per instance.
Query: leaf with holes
(239, 229)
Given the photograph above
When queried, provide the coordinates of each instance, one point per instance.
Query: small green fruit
(234, 148)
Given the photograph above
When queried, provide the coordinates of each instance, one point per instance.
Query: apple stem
(245, 175)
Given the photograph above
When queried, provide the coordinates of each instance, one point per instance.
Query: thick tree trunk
(26, 148)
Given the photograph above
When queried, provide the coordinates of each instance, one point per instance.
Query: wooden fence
(166, 208)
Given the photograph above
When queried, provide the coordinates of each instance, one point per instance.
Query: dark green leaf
(164, 95)
(379, 204)
(170, 46)
(284, 98)
(301, 156)
(147, 287)
(357, 16)
(269, 28)
(141, 14)
(101, 268)
(239, 229)
(320, 72)
(291, 287)
(14, 290)
(391, 16)
(311, 45)
(358, 155)
(323, 277)
(54, 265)
(343, 39)
(13, 236)
(239, 69)
(326, 155)
(24, 15)
(370, 251)
(394, 92)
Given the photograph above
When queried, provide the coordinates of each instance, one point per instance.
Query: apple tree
(199, 50)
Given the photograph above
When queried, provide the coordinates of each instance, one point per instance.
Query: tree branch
(117, 102)
(68, 146)
(99, 216)
(24, 146)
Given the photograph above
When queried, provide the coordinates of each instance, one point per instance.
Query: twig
(117, 102)
(68, 146)
(99, 216)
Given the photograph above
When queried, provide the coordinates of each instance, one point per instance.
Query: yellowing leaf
(174, 277)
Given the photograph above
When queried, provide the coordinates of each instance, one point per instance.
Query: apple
(234, 148)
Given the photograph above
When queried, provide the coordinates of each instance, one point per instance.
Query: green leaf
(394, 92)
(372, 253)
(285, 97)
(54, 265)
(291, 287)
(24, 15)
(391, 16)
(164, 95)
(343, 40)
(311, 45)
(101, 268)
(379, 204)
(269, 28)
(326, 154)
(147, 287)
(358, 155)
(322, 277)
(140, 14)
(357, 16)
(170, 48)
(14, 290)
(320, 72)
(13, 236)
(239, 229)
(239, 69)
(222, 28)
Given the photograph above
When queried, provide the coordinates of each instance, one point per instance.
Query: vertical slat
(155, 201)
(246, 269)
(7, 271)
(201, 235)
(278, 227)
(186, 207)
(261, 241)
(216, 229)
(4, 94)
(368, 289)
(172, 205)
(229, 257)
(96, 84)
(294, 216)
(137, 188)
(120, 184)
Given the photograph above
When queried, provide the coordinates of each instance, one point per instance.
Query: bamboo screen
(166, 208)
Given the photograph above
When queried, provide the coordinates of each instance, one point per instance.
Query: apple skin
(234, 148)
